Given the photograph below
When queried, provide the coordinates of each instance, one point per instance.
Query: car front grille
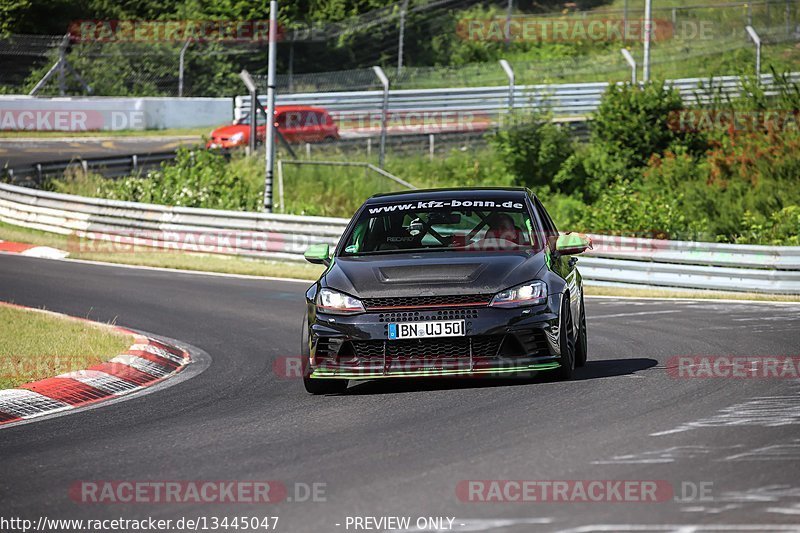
(421, 302)
(443, 348)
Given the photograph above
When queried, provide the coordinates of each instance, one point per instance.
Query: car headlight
(236, 137)
(531, 293)
(337, 303)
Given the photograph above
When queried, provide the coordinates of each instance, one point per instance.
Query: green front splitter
(323, 373)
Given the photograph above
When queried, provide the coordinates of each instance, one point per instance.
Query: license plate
(423, 330)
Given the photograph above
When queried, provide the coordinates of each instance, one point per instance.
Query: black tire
(581, 345)
(566, 342)
(317, 386)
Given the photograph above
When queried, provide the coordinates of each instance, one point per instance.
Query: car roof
(472, 193)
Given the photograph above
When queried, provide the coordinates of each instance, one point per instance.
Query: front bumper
(497, 341)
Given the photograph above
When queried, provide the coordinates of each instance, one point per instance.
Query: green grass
(35, 345)
(173, 132)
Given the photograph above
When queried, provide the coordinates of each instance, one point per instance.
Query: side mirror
(573, 244)
(319, 254)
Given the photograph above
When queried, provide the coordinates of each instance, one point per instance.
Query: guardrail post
(134, 163)
(751, 32)
(384, 113)
(632, 62)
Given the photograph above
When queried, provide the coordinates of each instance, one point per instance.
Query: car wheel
(329, 139)
(317, 386)
(581, 346)
(566, 343)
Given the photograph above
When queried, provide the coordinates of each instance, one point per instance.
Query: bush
(635, 121)
(533, 150)
(196, 179)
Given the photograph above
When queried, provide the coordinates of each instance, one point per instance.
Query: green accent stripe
(327, 374)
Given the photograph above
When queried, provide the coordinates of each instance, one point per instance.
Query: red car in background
(298, 124)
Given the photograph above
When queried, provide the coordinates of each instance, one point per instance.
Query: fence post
(757, 40)
(403, 10)
(180, 67)
(509, 10)
(384, 113)
(511, 85)
(280, 186)
(431, 147)
(648, 30)
(269, 140)
(632, 62)
(62, 66)
(253, 90)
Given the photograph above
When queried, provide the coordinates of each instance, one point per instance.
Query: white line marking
(617, 315)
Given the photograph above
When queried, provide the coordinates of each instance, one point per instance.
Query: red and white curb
(145, 363)
(31, 250)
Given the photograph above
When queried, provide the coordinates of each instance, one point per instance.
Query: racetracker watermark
(207, 242)
(196, 491)
(581, 491)
(33, 367)
(697, 120)
(535, 29)
(734, 367)
(414, 122)
(176, 31)
(70, 120)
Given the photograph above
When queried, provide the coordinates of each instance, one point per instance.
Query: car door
(563, 265)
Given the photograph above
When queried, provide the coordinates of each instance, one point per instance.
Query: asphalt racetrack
(729, 448)
(26, 152)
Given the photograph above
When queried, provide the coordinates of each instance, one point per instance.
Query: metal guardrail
(111, 167)
(127, 227)
(570, 99)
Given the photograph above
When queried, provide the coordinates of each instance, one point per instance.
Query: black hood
(432, 273)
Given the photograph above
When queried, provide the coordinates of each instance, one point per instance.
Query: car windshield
(260, 119)
(455, 225)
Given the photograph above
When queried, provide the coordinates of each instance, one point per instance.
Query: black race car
(446, 282)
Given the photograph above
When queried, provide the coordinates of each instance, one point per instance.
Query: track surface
(400, 448)
(16, 153)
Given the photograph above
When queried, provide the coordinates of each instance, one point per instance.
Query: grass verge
(35, 345)
(181, 261)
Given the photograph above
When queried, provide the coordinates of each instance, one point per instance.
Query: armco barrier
(126, 226)
(569, 99)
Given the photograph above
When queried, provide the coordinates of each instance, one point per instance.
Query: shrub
(533, 150)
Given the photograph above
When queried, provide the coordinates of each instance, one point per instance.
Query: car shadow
(604, 368)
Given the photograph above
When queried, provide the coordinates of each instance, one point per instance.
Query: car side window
(549, 228)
